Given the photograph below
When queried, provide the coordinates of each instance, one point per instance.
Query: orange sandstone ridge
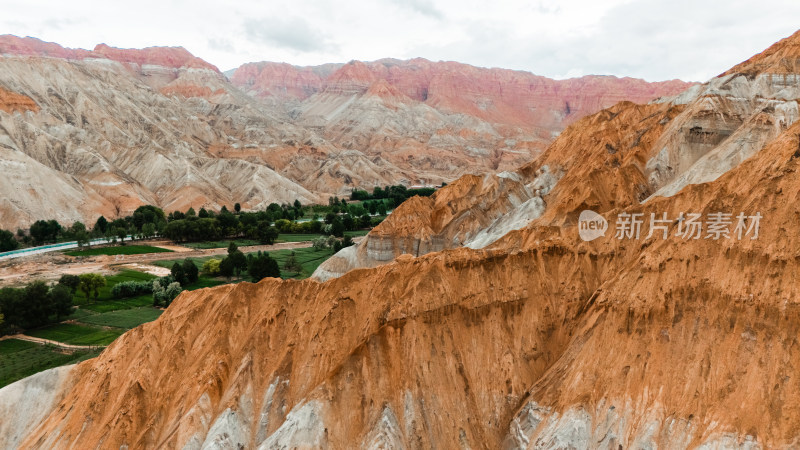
(11, 101)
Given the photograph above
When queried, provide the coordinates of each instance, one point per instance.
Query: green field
(283, 237)
(118, 250)
(221, 244)
(106, 303)
(115, 305)
(308, 258)
(299, 237)
(126, 318)
(19, 359)
(310, 237)
(74, 334)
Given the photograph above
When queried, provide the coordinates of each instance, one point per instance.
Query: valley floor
(93, 326)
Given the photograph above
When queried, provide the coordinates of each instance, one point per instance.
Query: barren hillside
(490, 337)
(85, 133)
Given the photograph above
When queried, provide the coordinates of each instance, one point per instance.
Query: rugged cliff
(550, 343)
(486, 323)
(111, 129)
(622, 156)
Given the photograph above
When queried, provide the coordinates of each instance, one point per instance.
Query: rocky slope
(110, 129)
(494, 95)
(439, 120)
(84, 137)
(534, 339)
(619, 157)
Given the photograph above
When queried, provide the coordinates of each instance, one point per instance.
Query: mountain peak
(31, 46)
(172, 57)
(782, 57)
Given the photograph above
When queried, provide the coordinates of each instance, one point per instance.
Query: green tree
(101, 226)
(227, 222)
(61, 301)
(337, 227)
(239, 262)
(262, 266)
(12, 304)
(190, 270)
(44, 231)
(226, 268)
(283, 225)
(178, 273)
(381, 208)
(90, 284)
(232, 248)
(121, 233)
(82, 237)
(267, 234)
(364, 221)
(237, 207)
(37, 304)
(7, 241)
(149, 230)
(348, 222)
(70, 281)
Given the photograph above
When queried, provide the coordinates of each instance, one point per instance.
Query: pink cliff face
(28, 46)
(495, 95)
(279, 79)
(170, 57)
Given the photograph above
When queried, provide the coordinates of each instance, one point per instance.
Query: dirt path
(24, 337)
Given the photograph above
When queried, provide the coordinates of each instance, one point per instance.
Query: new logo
(591, 225)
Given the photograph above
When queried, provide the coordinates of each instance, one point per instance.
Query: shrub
(172, 291)
(165, 289)
(226, 267)
(90, 283)
(291, 263)
(320, 243)
(190, 270)
(211, 267)
(70, 281)
(178, 273)
(158, 293)
(262, 266)
(127, 289)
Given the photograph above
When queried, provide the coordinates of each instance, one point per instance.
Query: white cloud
(652, 39)
(291, 33)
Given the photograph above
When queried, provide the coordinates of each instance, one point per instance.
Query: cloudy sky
(650, 39)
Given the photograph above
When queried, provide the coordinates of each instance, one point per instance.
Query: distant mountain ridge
(116, 128)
